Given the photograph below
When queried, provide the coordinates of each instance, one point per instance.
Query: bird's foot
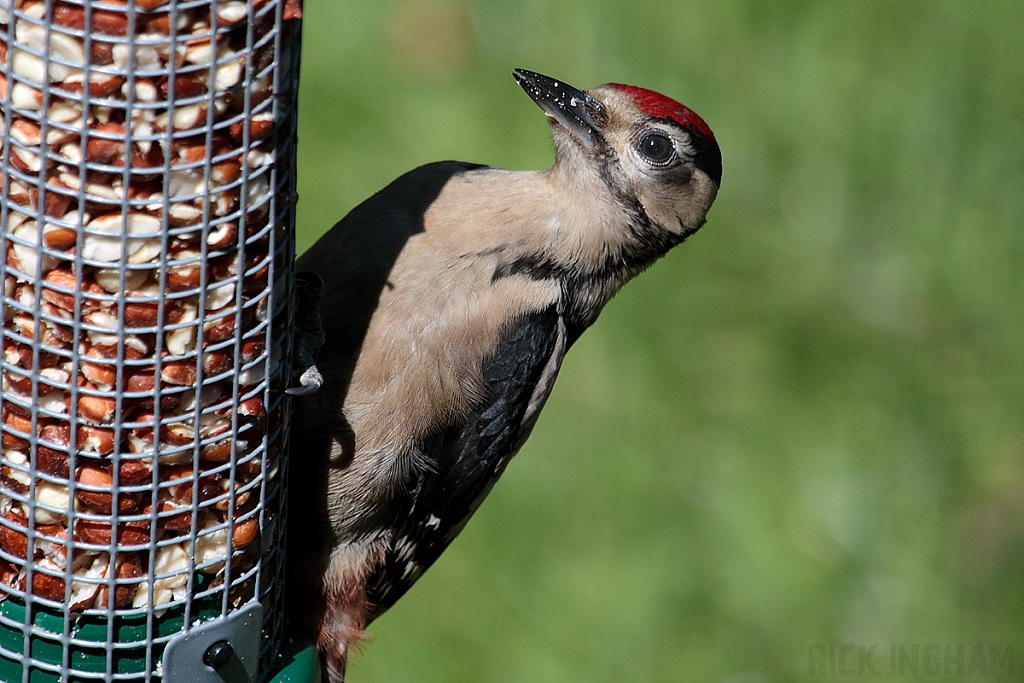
(309, 335)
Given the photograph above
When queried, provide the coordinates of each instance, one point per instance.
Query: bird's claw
(309, 381)
(309, 337)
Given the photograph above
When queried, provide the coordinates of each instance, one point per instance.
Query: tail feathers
(332, 669)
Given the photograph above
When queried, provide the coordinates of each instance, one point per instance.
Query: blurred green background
(801, 429)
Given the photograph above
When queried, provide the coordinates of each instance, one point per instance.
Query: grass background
(802, 428)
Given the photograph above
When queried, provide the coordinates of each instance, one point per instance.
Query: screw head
(218, 654)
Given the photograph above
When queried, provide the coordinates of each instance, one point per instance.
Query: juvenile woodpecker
(450, 298)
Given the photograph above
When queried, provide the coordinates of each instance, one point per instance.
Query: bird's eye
(656, 147)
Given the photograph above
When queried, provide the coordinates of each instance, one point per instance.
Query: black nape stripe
(707, 156)
(533, 266)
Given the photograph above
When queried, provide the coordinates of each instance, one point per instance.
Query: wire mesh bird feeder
(147, 206)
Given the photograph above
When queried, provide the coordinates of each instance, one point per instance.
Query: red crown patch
(657, 105)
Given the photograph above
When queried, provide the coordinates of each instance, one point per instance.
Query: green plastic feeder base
(89, 655)
(298, 663)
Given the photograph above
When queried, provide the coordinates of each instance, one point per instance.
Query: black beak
(574, 109)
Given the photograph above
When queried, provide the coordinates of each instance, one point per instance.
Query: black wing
(469, 457)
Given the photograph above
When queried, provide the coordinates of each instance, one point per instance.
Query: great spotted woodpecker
(450, 298)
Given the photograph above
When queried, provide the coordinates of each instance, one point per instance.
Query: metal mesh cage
(146, 203)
